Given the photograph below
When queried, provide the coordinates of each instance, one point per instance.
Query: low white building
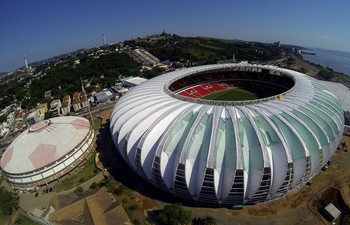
(84, 101)
(331, 213)
(133, 81)
(103, 96)
(55, 107)
(32, 118)
(11, 118)
(66, 105)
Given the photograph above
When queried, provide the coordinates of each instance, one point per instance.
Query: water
(337, 60)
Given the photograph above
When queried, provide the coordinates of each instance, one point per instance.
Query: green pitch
(231, 94)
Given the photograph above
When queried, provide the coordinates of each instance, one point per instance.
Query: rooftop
(44, 143)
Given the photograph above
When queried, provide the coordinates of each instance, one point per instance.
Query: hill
(100, 67)
(204, 50)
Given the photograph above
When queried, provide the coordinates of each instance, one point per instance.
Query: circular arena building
(230, 134)
(47, 151)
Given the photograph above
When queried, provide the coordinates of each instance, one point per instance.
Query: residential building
(76, 102)
(66, 104)
(84, 100)
(41, 109)
(47, 94)
(32, 118)
(55, 107)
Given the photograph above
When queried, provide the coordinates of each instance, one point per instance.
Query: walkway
(28, 202)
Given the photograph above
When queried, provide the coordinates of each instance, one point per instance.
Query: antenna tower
(25, 61)
(104, 38)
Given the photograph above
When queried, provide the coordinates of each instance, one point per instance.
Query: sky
(41, 29)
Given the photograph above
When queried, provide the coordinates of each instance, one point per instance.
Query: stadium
(47, 151)
(228, 135)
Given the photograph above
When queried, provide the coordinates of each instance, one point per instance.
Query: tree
(3, 119)
(175, 214)
(8, 201)
(206, 220)
(137, 222)
(93, 185)
(326, 74)
(48, 115)
(79, 191)
(119, 190)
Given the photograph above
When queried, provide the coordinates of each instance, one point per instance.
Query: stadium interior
(259, 82)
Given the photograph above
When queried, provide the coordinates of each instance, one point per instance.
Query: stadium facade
(47, 151)
(226, 153)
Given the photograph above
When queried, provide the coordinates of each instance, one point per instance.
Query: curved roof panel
(44, 143)
(214, 151)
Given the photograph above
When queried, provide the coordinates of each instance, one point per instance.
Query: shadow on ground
(121, 171)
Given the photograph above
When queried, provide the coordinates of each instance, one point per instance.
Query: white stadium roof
(222, 152)
(44, 143)
(341, 91)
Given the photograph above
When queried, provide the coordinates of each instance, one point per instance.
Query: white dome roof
(44, 143)
(226, 153)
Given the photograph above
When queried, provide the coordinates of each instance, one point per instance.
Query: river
(337, 60)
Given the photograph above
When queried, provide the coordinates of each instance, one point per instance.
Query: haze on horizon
(42, 29)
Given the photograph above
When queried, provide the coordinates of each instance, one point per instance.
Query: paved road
(312, 70)
(85, 185)
(98, 109)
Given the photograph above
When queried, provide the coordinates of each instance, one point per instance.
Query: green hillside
(202, 50)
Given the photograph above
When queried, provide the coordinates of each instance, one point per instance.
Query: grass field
(87, 171)
(97, 123)
(4, 219)
(231, 94)
(24, 220)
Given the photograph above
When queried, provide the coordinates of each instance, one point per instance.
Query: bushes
(206, 220)
(119, 190)
(137, 222)
(8, 201)
(326, 74)
(175, 214)
(112, 187)
(93, 186)
(79, 191)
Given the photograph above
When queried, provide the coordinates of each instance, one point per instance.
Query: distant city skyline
(41, 29)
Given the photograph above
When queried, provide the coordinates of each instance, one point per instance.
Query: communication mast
(25, 61)
(103, 36)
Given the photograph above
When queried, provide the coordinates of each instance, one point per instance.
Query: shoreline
(333, 59)
(317, 71)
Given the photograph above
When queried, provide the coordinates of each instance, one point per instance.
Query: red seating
(202, 90)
